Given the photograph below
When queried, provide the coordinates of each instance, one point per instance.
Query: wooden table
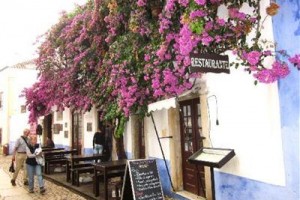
(52, 149)
(109, 170)
(55, 155)
(72, 160)
(58, 153)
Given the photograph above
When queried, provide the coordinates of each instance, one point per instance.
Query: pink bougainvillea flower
(253, 57)
(295, 60)
(200, 2)
(278, 70)
(141, 3)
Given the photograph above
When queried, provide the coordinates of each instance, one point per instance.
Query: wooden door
(48, 121)
(77, 131)
(190, 125)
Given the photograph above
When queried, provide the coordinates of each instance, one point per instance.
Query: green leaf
(197, 26)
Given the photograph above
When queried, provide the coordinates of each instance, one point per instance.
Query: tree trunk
(119, 143)
(120, 149)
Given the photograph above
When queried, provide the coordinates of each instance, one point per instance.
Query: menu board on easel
(141, 181)
(212, 157)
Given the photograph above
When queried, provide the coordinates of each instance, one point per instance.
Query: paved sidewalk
(20, 192)
(7, 191)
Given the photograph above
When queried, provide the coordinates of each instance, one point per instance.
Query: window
(59, 115)
(23, 109)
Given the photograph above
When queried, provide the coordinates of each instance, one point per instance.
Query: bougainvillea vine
(121, 55)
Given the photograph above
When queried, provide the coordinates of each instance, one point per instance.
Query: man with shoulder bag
(19, 156)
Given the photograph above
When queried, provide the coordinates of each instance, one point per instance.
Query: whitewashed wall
(23, 78)
(18, 123)
(161, 122)
(59, 139)
(12, 81)
(67, 118)
(4, 109)
(249, 118)
(87, 137)
(249, 123)
(89, 117)
(151, 142)
(128, 139)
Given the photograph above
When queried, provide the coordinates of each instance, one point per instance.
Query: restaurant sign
(209, 62)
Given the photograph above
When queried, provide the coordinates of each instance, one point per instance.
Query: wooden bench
(74, 160)
(56, 157)
(78, 165)
(80, 170)
(53, 161)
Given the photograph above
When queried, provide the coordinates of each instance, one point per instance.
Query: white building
(13, 115)
(261, 124)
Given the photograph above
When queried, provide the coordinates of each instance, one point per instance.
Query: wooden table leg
(96, 185)
(72, 172)
(105, 186)
(68, 171)
(45, 167)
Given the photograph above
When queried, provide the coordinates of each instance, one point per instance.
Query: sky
(22, 21)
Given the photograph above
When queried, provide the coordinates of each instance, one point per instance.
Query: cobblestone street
(20, 191)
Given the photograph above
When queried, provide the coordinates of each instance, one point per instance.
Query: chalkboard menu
(142, 181)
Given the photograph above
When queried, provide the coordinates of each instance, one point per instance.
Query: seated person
(49, 143)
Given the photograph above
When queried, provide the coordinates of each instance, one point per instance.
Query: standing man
(98, 141)
(19, 155)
